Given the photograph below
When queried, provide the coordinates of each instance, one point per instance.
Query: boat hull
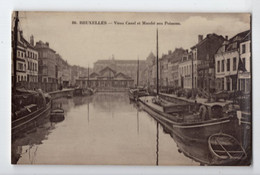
(198, 132)
(22, 124)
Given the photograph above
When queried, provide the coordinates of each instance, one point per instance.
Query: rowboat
(226, 149)
(57, 115)
(185, 123)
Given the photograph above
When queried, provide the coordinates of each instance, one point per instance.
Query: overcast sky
(85, 44)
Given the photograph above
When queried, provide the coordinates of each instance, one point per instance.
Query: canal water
(103, 129)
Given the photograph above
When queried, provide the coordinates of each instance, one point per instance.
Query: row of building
(39, 63)
(215, 63)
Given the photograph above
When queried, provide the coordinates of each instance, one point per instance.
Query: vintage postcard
(119, 88)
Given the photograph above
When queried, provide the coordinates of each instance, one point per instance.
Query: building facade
(204, 51)
(173, 66)
(48, 71)
(128, 67)
(64, 71)
(227, 60)
(164, 76)
(26, 61)
(150, 62)
(32, 61)
(185, 71)
(244, 77)
(106, 78)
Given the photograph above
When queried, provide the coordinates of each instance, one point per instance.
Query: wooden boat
(225, 149)
(135, 93)
(24, 115)
(69, 96)
(189, 125)
(57, 115)
(57, 112)
(83, 92)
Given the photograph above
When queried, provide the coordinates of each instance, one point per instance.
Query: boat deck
(202, 101)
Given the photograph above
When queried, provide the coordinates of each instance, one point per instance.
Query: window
(222, 65)
(234, 63)
(20, 66)
(222, 83)
(228, 84)
(228, 64)
(244, 61)
(218, 66)
(243, 48)
(18, 53)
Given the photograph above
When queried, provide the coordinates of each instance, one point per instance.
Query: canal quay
(105, 128)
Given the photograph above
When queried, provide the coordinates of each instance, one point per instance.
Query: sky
(84, 44)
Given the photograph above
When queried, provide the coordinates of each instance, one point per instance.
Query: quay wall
(61, 93)
(111, 89)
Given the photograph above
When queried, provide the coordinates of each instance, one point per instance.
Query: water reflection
(29, 141)
(157, 143)
(102, 129)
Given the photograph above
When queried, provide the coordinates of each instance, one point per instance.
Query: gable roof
(240, 36)
(105, 69)
(123, 75)
(234, 42)
(93, 75)
(209, 36)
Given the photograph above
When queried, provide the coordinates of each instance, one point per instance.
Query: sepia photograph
(131, 88)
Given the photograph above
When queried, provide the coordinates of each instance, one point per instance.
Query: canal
(104, 129)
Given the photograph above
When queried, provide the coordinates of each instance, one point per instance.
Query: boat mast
(137, 79)
(15, 43)
(157, 143)
(157, 62)
(192, 77)
(88, 77)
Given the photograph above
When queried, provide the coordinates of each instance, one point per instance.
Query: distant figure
(195, 108)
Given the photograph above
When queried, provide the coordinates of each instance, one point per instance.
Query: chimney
(47, 44)
(169, 52)
(200, 38)
(226, 37)
(32, 40)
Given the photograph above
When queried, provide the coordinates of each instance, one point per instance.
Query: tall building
(204, 52)
(149, 67)
(227, 60)
(48, 71)
(26, 61)
(185, 71)
(244, 76)
(173, 66)
(64, 71)
(32, 61)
